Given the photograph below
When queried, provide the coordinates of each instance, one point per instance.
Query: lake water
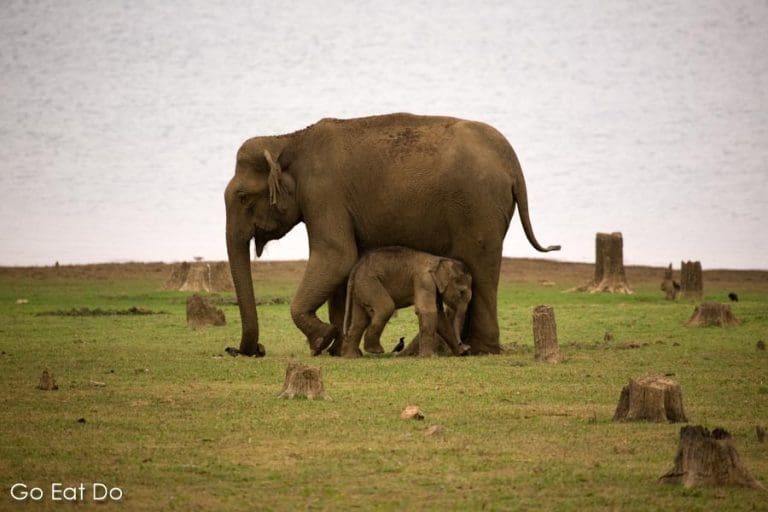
(119, 123)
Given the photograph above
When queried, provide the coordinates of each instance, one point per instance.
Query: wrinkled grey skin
(348, 180)
(391, 278)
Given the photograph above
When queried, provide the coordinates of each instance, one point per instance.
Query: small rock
(234, 352)
(760, 345)
(81, 420)
(22, 301)
(412, 412)
(98, 384)
(547, 283)
(434, 430)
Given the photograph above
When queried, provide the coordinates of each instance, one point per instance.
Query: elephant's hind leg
(359, 321)
(380, 307)
(483, 328)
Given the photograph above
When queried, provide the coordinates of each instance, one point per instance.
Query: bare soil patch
(101, 312)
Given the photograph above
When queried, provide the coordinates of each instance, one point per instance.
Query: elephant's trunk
(520, 193)
(240, 266)
(458, 321)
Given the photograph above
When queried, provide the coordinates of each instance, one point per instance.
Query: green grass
(179, 425)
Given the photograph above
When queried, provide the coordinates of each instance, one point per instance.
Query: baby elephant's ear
(442, 274)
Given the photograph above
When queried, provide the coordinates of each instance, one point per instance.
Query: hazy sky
(119, 122)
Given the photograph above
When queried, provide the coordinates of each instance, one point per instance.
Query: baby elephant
(395, 277)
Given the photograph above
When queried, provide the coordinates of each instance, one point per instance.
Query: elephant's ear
(441, 274)
(276, 189)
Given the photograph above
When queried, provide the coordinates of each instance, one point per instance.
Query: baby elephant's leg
(427, 330)
(425, 303)
(380, 307)
(358, 322)
(381, 316)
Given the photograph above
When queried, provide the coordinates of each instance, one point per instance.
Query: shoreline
(513, 270)
(291, 262)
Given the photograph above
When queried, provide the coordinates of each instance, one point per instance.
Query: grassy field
(157, 409)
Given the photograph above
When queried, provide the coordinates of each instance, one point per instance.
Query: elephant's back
(415, 180)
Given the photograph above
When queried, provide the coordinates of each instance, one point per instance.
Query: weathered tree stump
(412, 412)
(691, 283)
(669, 286)
(651, 398)
(200, 276)
(47, 382)
(707, 459)
(545, 344)
(609, 266)
(303, 381)
(201, 313)
(712, 314)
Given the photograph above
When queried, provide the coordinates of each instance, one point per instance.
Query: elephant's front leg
(336, 305)
(326, 270)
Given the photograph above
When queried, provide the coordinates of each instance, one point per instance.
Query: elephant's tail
(520, 193)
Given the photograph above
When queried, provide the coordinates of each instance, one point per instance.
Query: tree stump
(545, 344)
(201, 313)
(200, 276)
(412, 412)
(303, 381)
(651, 398)
(691, 284)
(669, 286)
(47, 382)
(707, 459)
(609, 266)
(712, 314)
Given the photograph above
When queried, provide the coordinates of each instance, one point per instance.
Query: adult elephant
(441, 185)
